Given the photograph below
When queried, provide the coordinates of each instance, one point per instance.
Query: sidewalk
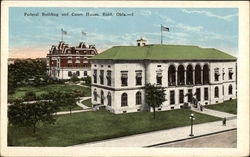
(214, 113)
(79, 103)
(163, 136)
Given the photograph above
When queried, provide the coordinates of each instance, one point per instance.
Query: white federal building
(120, 73)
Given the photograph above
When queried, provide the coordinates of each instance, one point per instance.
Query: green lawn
(65, 108)
(99, 125)
(227, 106)
(87, 102)
(20, 92)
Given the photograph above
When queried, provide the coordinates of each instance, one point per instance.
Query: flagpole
(161, 34)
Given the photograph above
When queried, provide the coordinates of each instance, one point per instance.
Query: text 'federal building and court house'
(63, 61)
(120, 73)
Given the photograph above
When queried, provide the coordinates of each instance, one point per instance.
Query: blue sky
(32, 36)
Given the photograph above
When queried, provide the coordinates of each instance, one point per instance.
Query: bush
(29, 96)
(74, 78)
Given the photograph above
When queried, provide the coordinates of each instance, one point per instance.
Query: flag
(64, 32)
(84, 33)
(164, 28)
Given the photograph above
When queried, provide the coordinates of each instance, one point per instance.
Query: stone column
(193, 77)
(176, 81)
(201, 76)
(185, 76)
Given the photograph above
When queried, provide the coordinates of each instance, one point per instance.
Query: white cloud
(167, 19)
(209, 14)
(189, 28)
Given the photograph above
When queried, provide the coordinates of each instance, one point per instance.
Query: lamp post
(192, 121)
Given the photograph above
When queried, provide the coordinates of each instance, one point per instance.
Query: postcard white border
(243, 84)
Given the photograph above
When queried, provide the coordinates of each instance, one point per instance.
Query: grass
(65, 108)
(20, 92)
(227, 106)
(87, 102)
(99, 125)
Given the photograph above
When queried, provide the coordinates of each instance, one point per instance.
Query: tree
(29, 114)
(69, 100)
(87, 81)
(30, 95)
(74, 78)
(154, 96)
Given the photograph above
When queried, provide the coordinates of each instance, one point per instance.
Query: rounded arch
(102, 97)
(95, 94)
(230, 89)
(171, 75)
(216, 92)
(109, 98)
(138, 98)
(206, 74)
(124, 99)
(189, 75)
(198, 74)
(180, 75)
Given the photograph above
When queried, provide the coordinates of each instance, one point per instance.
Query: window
(172, 97)
(77, 64)
(190, 95)
(159, 78)
(138, 78)
(124, 99)
(85, 73)
(138, 98)
(77, 73)
(124, 78)
(230, 74)
(198, 94)
(69, 64)
(181, 96)
(95, 95)
(69, 73)
(95, 76)
(223, 74)
(230, 89)
(205, 93)
(109, 99)
(109, 78)
(216, 74)
(158, 65)
(101, 76)
(216, 92)
(102, 97)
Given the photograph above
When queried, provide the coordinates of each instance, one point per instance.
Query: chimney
(142, 42)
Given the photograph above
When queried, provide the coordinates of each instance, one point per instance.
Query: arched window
(171, 76)
(205, 74)
(230, 89)
(180, 75)
(77, 73)
(69, 73)
(138, 98)
(124, 99)
(109, 98)
(102, 97)
(95, 95)
(189, 75)
(197, 74)
(216, 92)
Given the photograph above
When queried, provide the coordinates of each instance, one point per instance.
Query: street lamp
(192, 121)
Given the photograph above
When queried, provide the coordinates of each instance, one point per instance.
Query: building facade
(64, 61)
(119, 76)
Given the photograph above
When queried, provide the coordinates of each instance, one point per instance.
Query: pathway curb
(189, 138)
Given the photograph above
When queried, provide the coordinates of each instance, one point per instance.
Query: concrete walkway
(214, 113)
(79, 103)
(163, 136)
(75, 111)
